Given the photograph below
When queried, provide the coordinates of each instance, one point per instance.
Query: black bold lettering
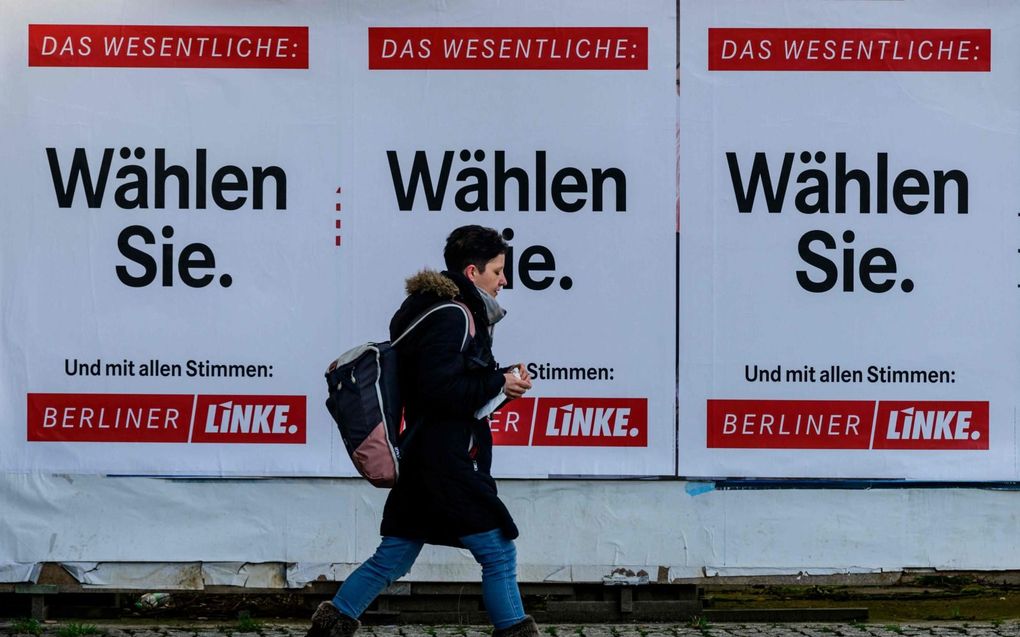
(870, 266)
(64, 190)
(547, 263)
(759, 173)
(434, 193)
(817, 260)
(559, 187)
(598, 178)
(196, 255)
(259, 175)
(135, 255)
(221, 185)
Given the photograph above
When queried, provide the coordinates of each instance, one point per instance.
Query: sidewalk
(257, 628)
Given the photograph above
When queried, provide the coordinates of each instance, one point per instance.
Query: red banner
(768, 49)
(931, 425)
(508, 48)
(250, 419)
(847, 424)
(571, 422)
(591, 422)
(109, 417)
(790, 424)
(168, 46)
(511, 425)
(166, 418)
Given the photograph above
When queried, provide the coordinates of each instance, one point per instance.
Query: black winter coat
(445, 490)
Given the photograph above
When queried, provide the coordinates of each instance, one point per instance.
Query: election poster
(850, 239)
(531, 125)
(206, 202)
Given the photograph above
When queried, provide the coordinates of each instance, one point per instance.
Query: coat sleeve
(446, 385)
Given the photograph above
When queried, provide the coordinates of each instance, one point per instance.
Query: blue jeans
(395, 556)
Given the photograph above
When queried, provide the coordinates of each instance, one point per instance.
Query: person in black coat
(445, 494)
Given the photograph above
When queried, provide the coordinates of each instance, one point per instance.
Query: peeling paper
(300, 574)
(80, 570)
(19, 572)
(243, 574)
(625, 577)
(137, 575)
(636, 525)
(684, 572)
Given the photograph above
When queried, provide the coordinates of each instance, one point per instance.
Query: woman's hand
(517, 382)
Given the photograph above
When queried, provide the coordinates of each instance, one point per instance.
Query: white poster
(850, 263)
(205, 203)
(553, 125)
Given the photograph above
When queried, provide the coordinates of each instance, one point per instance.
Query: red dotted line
(339, 207)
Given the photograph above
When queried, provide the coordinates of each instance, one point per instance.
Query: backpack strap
(469, 332)
(469, 327)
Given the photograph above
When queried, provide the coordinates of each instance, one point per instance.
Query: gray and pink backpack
(364, 400)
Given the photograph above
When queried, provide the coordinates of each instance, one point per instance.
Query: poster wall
(850, 239)
(205, 203)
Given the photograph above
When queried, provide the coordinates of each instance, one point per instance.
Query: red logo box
(932, 425)
(109, 417)
(591, 422)
(250, 419)
(790, 424)
(511, 424)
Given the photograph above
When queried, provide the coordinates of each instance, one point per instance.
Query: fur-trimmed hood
(432, 282)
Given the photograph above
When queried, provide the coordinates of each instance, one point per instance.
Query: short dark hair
(472, 245)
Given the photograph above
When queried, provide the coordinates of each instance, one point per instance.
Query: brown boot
(524, 628)
(327, 621)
